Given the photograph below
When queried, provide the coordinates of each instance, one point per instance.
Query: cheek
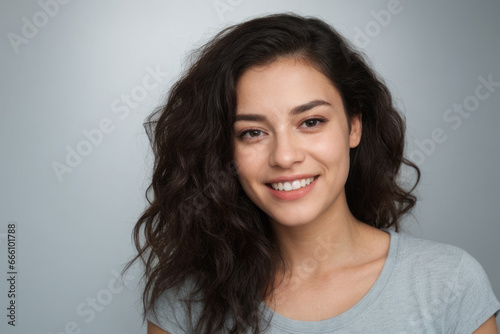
(247, 165)
(249, 178)
(333, 148)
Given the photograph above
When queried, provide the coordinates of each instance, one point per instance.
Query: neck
(324, 245)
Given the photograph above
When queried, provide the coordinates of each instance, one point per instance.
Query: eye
(312, 122)
(250, 133)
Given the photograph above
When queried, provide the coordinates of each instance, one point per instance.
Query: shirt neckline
(343, 319)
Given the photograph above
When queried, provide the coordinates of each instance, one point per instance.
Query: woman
(277, 199)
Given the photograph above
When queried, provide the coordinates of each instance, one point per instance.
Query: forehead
(284, 84)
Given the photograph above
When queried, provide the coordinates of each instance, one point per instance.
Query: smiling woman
(302, 235)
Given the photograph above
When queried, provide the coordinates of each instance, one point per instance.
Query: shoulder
(434, 261)
(447, 280)
(421, 248)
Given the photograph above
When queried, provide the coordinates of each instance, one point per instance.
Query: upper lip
(290, 178)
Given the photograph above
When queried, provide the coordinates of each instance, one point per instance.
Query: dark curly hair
(200, 223)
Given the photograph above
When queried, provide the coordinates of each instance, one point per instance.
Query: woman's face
(292, 141)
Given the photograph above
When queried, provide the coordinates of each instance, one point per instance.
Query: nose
(286, 151)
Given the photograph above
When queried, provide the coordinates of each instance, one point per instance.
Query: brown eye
(311, 123)
(251, 133)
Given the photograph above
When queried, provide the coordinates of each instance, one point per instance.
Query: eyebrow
(295, 111)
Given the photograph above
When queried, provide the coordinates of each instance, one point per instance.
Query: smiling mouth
(293, 185)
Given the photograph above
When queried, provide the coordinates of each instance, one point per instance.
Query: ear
(356, 129)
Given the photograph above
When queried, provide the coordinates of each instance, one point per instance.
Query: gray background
(77, 70)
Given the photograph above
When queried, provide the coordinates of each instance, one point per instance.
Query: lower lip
(292, 194)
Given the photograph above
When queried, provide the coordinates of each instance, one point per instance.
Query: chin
(292, 220)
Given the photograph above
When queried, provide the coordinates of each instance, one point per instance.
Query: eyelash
(319, 122)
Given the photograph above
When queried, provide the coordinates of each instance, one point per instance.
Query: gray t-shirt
(424, 287)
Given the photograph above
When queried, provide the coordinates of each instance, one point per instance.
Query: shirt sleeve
(172, 312)
(472, 300)
(169, 315)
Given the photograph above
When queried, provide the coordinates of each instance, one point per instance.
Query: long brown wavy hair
(200, 223)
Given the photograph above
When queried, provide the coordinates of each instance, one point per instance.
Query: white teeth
(294, 185)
